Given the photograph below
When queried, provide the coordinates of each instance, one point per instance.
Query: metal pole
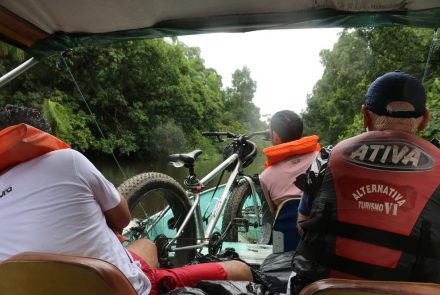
(17, 71)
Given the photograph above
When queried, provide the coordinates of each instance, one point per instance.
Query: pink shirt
(277, 180)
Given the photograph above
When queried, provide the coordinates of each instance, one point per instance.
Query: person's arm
(118, 217)
(266, 194)
(113, 205)
(304, 208)
(298, 225)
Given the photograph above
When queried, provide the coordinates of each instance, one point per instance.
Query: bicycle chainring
(215, 243)
(161, 242)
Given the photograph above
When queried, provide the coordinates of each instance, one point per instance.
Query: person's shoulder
(351, 139)
(61, 153)
(265, 173)
(347, 142)
(67, 154)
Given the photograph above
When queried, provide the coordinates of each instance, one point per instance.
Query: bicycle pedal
(242, 224)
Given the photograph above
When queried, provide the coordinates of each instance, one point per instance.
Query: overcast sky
(285, 63)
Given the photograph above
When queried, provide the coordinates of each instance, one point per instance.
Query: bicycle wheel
(240, 213)
(159, 204)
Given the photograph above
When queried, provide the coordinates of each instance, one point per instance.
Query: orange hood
(22, 142)
(282, 151)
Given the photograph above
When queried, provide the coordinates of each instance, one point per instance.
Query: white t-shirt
(54, 204)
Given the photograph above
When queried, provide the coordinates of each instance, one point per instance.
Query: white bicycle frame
(195, 208)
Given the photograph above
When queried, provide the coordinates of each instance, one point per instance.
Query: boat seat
(285, 232)
(32, 273)
(363, 287)
(187, 159)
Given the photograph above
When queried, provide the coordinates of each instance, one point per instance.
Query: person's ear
(367, 118)
(276, 139)
(425, 120)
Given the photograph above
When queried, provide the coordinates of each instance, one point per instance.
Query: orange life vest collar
(22, 142)
(282, 151)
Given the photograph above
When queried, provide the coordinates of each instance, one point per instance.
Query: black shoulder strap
(435, 142)
(378, 237)
(425, 247)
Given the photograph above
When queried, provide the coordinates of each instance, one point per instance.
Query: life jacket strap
(426, 249)
(418, 245)
(423, 248)
(366, 270)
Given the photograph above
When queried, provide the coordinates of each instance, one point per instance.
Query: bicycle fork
(254, 197)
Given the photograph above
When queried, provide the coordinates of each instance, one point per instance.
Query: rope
(91, 113)
(434, 39)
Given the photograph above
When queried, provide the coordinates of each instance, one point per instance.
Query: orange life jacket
(282, 151)
(22, 142)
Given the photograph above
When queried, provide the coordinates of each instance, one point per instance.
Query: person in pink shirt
(290, 156)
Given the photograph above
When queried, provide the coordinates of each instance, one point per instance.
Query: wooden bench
(364, 287)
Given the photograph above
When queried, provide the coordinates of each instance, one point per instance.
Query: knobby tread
(136, 188)
(141, 183)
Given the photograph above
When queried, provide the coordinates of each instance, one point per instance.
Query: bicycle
(171, 216)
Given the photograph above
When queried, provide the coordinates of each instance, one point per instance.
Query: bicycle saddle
(187, 160)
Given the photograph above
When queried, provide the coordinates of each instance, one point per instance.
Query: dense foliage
(150, 96)
(359, 56)
(156, 96)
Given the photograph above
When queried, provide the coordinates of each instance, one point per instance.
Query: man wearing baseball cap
(376, 214)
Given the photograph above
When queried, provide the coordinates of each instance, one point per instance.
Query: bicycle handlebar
(217, 134)
(266, 134)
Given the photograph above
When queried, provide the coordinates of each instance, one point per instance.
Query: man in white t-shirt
(58, 202)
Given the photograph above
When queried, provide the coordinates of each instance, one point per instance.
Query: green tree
(433, 104)
(337, 96)
(9, 52)
(239, 107)
(136, 90)
(359, 56)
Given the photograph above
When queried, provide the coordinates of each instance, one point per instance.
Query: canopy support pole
(17, 71)
(434, 39)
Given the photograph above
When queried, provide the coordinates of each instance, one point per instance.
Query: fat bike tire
(147, 194)
(239, 206)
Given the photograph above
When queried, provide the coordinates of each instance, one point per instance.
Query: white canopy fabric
(103, 16)
(54, 25)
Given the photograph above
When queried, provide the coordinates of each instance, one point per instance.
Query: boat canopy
(45, 27)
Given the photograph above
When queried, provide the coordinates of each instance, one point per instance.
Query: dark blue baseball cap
(396, 86)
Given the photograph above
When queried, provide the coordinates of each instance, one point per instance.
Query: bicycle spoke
(144, 211)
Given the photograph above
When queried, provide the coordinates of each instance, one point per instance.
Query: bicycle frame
(195, 208)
